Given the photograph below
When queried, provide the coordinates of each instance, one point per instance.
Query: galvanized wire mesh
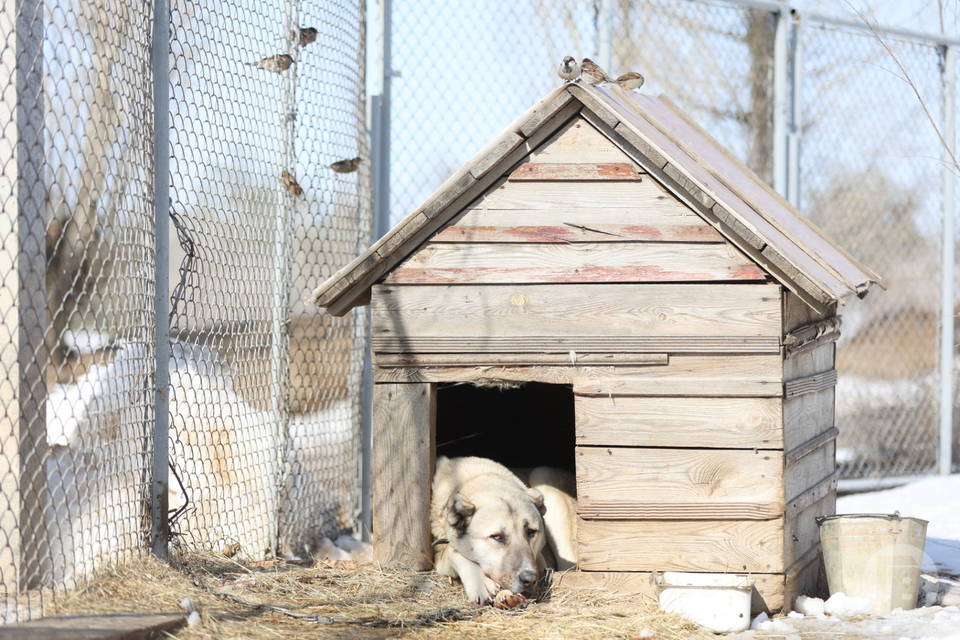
(77, 293)
(264, 410)
(869, 168)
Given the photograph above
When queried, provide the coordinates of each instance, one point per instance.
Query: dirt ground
(274, 599)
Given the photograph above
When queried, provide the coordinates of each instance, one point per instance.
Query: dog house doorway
(521, 427)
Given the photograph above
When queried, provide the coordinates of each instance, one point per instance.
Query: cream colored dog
(489, 528)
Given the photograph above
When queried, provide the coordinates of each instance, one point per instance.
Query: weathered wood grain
(576, 310)
(679, 422)
(110, 626)
(809, 470)
(578, 141)
(816, 359)
(576, 171)
(403, 448)
(666, 545)
(805, 577)
(810, 384)
(807, 415)
(810, 336)
(690, 375)
(576, 344)
(679, 484)
(494, 374)
(519, 359)
(571, 195)
(656, 220)
(792, 456)
(501, 263)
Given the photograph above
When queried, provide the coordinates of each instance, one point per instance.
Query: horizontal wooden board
(666, 545)
(548, 374)
(577, 310)
(500, 263)
(552, 195)
(768, 587)
(815, 359)
(655, 221)
(679, 422)
(578, 141)
(521, 359)
(696, 484)
(573, 171)
(809, 470)
(689, 375)
(577, 344)
(810, 384)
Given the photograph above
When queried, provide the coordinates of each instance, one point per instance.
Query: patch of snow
(760, 619)
(843, 606)
(809, 606)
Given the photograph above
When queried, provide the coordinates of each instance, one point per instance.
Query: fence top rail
(836, 21)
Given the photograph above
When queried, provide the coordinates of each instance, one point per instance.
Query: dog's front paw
(508, 600)
(481, 591)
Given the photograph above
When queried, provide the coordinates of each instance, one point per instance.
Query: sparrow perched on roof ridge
(346, 166)
(569, 69)
(305, 35)
(278, 63)
(592, 73)
(630, 80)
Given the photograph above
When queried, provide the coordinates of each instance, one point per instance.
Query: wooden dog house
(604, 241)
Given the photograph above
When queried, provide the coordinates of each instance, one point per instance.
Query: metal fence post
(781, 102)
(948, 269)
(793, 128)
(160, 66)
(605, 11)
(380, 154)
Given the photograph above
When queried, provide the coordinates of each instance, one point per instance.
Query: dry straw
(347, 600)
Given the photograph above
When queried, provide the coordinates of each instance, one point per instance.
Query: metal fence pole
(380, 154)
(948, 269)
(793, 128)
(160, 66)
(781, 101)
(605, 10)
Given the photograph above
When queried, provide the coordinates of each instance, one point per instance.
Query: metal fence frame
(787, 144)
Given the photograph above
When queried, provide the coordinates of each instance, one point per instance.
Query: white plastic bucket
(874, 556)
(719, 602)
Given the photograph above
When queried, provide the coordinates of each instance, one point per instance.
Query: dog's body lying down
(495, 533)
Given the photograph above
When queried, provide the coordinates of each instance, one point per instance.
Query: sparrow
(278, 63)
(306, 35)
(591, 73)
(290, 184)
(630, 81)
(346, 166)
(569, 69)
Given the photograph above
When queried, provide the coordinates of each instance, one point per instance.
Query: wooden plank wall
(581, 269)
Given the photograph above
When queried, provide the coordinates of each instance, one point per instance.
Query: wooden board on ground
(679, 422)
(111, 626)
(404, 423)
(693, 545)
(678, 484)
(577, 310)
(493, 263)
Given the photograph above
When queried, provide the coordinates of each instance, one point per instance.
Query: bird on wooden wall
(569, 69)
(346, 166)
(630, 81)
(290, 184)
(306, 35)
(278, 63)
(591, 73)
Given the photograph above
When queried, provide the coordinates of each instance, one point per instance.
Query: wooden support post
(404, 429)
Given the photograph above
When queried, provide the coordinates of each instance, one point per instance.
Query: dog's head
(501, 531)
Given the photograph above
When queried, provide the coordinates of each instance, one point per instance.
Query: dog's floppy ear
(459, 509)
(537, 498)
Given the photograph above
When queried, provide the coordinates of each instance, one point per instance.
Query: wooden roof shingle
(665, 142)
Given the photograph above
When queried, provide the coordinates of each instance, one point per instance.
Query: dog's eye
(498, 537)
(531, 533)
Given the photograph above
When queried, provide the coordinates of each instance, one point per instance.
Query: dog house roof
(657, 135)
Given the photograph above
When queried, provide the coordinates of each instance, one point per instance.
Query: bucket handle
(895, 515)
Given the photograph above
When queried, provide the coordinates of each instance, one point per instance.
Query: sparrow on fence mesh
(346, 166)
(278, 63)
(630, 81)
(569, 69)
(592, 73)
(306, 35)
(290, 184)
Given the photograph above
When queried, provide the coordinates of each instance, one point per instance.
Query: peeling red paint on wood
(588, 273)
(583, 233)
(543, 171)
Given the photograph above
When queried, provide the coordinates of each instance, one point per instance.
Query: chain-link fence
(865, 155)
(264, 409)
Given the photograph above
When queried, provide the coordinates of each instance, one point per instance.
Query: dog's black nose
(527, 577)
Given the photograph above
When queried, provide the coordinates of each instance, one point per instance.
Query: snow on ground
(936, 500)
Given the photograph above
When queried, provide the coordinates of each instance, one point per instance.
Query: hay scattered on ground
(279, 600)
